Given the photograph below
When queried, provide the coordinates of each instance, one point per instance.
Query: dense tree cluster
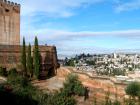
(29, 63)
(90, 62)
(69, 62)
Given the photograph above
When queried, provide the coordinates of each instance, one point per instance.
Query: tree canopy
(133, 89)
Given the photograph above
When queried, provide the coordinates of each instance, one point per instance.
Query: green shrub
(130, 102)
(13, 98)
(13, 72)
(79, 89)
(133, 89)
(25, 93)
(3, 72)
(116, 103)
(1, 87)
(73, 86)
(57, 99)
(18, 80)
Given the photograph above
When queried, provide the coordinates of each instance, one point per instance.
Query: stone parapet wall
(10, 55)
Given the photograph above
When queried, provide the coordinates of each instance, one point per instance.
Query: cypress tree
(36, 59)
(23, 58)
(29, 62)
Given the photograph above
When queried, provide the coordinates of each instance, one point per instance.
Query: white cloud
(128, 5)
(64, 8)
(58, 35)
(54, 8)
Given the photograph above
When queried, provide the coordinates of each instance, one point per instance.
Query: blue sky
(77, 26)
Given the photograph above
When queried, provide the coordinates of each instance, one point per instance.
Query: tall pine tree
(23, 58)
(29, 62)
(36, 59)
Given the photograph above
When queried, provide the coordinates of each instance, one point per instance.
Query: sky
(82, 26)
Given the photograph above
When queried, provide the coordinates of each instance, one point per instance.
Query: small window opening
(6, 10)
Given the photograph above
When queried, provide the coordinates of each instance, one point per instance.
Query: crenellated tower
(10, 48)
(9, 23)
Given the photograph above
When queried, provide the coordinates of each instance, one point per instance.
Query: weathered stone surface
(9, 23)
(10, 56)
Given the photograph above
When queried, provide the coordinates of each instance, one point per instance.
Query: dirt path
(54, 83)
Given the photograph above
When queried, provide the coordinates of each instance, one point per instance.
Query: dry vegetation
(97, 87)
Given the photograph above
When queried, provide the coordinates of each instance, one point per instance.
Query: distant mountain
(62, 56)
(126, 51)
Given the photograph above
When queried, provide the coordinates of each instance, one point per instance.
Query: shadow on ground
(9, 98)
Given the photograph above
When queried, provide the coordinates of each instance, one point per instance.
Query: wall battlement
(10, 3)
(9, 6)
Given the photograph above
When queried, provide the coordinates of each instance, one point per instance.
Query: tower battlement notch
(9, 3)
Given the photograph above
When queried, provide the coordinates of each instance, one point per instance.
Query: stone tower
(9, 23)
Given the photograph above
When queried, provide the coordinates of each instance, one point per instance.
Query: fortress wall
(10, 55)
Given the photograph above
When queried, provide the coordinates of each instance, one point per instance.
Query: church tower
(9, 23)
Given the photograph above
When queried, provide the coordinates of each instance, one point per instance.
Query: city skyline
(89, 26)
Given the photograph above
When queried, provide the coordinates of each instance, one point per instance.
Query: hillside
(97, 87)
